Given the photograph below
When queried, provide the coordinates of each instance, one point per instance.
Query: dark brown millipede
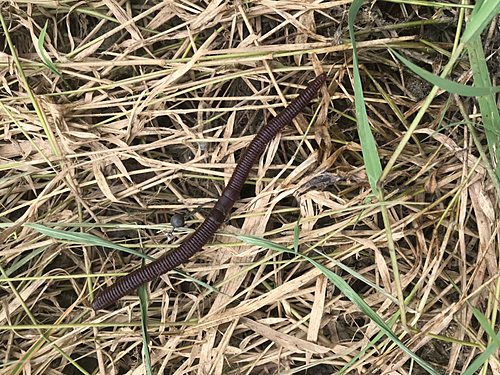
(126, 284)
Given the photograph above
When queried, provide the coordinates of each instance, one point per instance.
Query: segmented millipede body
(126, 284)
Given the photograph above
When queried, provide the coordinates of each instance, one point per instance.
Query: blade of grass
(370, 155)
(482, 14)
(22, 261)
(143, 302)
(445, 84)
(347, 291)
(90, 239)
(32, 97)
(482, 359)
(43, 336)
(487, 103)
(45, 58)
(83, 238)
(472, 28)
(368, 144)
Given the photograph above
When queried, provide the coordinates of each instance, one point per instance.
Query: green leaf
(296, 236)
(450, 86)
(368, 144)
(45, 58)
(83, 238)
(487, 103)
(90, 239)
(481, 16)
(143, 303)
(21, 260)
(348, 292)
(200, 283)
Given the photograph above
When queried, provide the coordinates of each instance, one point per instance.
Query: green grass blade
(487, 103)
(30, 93)
(296, 236)
(450, 86)
(46, 59)
(486, 325)
(90, 239)
(481, 16)
(143, 302)
(27, 356)
(368, 144)
(361, 278)
(84, 238)
(495, 344)
(481, 359)
(22, 261)
(348, 292)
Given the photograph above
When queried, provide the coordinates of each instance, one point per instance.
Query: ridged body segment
(206, 230)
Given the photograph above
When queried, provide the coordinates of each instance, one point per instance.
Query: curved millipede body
(206, 230)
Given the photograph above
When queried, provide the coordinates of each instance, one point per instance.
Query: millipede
(126, 284)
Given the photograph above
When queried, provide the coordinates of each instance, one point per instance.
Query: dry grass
(144, 114)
